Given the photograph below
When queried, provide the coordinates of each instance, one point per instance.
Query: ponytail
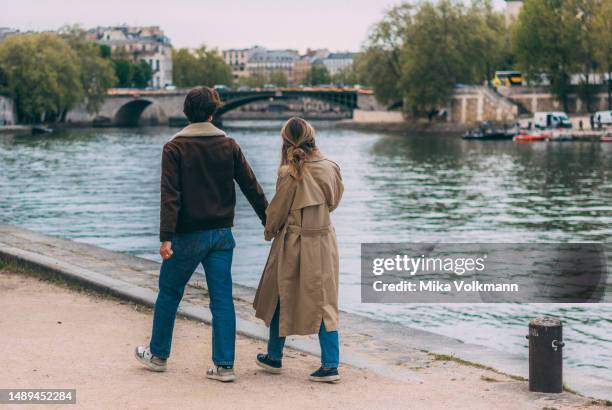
(298, 145)
(295, 162)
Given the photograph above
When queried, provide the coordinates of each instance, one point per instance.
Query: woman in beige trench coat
(298, 291)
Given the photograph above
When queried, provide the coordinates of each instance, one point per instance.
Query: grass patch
(602, 403)
(449, 358)
(488, 379)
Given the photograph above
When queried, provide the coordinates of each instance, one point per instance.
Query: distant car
(603, 117)
(244, 88)
(551, 119)
(269, 86)
(221, 87)
(170, 87)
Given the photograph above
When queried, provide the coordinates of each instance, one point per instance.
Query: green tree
(448, 44)
(185, 68)
(379, 65)
(97, 73)
(278, 78)
(124, 71)
(346, 76)
(318, 75)
(202, 66)
(602, 38)
(105, 51)
(43, 76)
(546, 43)
(418, 54)
(142, 74)
(578, 17)
(432, 59)
(253, 81)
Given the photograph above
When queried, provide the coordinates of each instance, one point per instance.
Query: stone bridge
(125, 107)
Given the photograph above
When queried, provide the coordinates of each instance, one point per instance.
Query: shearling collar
(199, 129)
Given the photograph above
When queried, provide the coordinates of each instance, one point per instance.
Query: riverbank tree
(47, 74)
(43, 76)
(348, 76)
(317, 75)
(203, 66)
(556, 41)
(130, 73)
(417, 55)
(97, 73)
(602, 35)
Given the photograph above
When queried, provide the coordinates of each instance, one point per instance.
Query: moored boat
(524, 137)
(485, 132)
(39, 129)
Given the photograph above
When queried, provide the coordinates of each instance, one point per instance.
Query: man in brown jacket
(199, 166)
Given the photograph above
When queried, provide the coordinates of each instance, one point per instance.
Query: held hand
(268, 236)
(165, 250)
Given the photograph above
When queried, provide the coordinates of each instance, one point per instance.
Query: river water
(101, 186)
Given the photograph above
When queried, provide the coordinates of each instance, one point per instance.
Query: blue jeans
(214, 249)
(330, 346)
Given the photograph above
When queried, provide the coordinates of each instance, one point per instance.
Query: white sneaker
(143, 355)
(221, 374)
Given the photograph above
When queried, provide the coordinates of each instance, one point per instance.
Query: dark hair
(201, 103)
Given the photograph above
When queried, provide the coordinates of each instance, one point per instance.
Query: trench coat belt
(309, 231)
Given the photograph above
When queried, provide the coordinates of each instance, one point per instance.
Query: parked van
(551, 119)
(603, 117)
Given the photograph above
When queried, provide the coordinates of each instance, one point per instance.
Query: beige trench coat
(302, 267)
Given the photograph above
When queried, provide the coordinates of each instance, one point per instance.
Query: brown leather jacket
(199, 166)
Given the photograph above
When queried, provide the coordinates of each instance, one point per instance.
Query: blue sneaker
(325, 375)
(270, 365)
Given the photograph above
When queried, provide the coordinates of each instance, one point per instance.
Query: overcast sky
(333, 24)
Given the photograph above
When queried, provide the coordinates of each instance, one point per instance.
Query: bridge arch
(240, 101)
(129, 114)
(235, 100)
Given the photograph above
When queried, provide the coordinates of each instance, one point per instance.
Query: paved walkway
(399, 352)
(55, 336)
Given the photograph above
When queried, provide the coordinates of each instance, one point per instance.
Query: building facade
(137, 44)
(237, 59)
(263, 63)
(301, 70)
(336, 62)
(7, 32)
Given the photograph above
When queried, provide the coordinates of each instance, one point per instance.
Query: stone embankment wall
(533, 99)
(475, 104)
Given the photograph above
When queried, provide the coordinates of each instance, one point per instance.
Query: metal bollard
(546, 355)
